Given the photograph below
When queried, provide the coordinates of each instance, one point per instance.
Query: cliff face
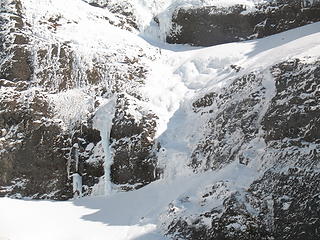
(212, 25)
(252, 121)
(54, 76)
(230, 131)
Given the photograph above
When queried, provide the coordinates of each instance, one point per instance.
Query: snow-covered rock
(69, 62)
(191, 143)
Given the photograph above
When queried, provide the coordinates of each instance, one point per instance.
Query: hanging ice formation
(103, 122)
(76, 177)
(77, 185)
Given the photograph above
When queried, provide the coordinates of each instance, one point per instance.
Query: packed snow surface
(32, 220)
(121, 216)
(175, 77)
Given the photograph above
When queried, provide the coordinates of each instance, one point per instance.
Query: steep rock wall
(50, 90)
(208, 26)
(281, 203)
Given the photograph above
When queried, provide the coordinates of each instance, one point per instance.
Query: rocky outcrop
(234, 126)
(207, 26)
(293, 197)
(50, 90)
(245, 117)
(285, 115)
(134, 158)
(31, 157)
(14, 52)
(280, 205)
(264, 123)
(298, 117)
(13, 43)
(123, 11)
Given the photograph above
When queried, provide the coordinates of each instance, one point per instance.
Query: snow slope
(202, 70)
(131, 215)
(27, 220)
(175, 79)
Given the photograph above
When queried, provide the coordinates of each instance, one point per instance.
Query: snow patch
(71, 106)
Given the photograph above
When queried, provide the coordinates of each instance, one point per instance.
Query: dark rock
(54, 67)
(133, 146)
(207, 26)
(294, 111)
(234, 121)
(294, 197)
(282, 203)
(81, 157)
(33, 163)
(231, 220)
(15, 56)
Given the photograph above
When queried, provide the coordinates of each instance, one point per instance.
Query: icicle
(76, 177)
(77, 185)
(103, 122)
(76, 155)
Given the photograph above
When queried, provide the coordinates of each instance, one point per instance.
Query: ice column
(103, 122)
(77, 185)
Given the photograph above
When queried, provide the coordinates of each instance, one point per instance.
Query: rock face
(261, 121)
(235, 126)
(208, 26)
(294, 202)
(280, 204)
(16, 65)
(135, 160)
(50, 90)
(302, 109)
(123, 11)
(32, 160)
